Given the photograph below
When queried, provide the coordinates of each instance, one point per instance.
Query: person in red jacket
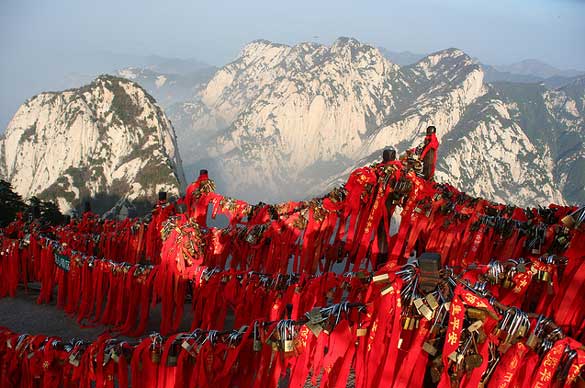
(428, 154)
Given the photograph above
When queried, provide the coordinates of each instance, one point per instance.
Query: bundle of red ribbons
(485, 322)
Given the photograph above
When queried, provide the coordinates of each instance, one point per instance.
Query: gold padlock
(380, 278)
(430, 349)
(115, 356)
(73, 360)
(507, 283)
(533, 341)
(289, 346)
(432, 301)
(155, 356)
(423, 309)
(386, 290)
(406, 323)
(476, 313)
(453, 356)
(475, 326)
(568, 221)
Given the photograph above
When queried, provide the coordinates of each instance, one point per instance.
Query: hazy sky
(41, 39)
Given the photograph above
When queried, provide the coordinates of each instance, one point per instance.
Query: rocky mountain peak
(108, 138)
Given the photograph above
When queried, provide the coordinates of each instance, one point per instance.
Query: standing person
(428, 154)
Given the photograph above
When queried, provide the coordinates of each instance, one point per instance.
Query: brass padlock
(380, 278)
(474, 327)
(423, 309)
(115, 356)
(289, 346)
(274, 346)
(430, 349)
(406, 323)
(568, 221)
(155, 355)
(508, 282)
(453, 356)
(476, 313)
(73, 360)
(533, 341)
(432, 301)
(386, 290)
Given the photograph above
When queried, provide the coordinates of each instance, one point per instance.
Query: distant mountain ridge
(526, 71)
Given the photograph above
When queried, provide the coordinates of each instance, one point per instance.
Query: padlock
(423, 309)
(386, 290)
(289, 346)
(257, 345)
(474, 327)
(115, 356)
(73, 360)
(155, 355)
(432, 301)
(453, 356)
(476, 313)
(172, 356)
(533, 341)
(568, 221)
(430, 349)
(315, 328)
(508, 282)
(380, 278)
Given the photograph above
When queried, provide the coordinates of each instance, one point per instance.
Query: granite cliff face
(106, 139)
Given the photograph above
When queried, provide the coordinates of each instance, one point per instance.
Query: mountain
(169, 88)
(492, 74)
(280, 120)
(531, 71)
(536, 68)
(107, 141)
(527, 71)
(401, 58)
